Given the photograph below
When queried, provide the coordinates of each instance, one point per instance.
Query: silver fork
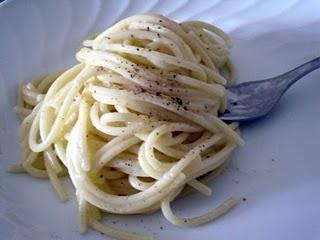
(251, 100)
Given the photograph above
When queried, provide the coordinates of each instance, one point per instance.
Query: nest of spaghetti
(135, 123)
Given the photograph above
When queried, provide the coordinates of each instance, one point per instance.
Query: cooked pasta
(134, 124)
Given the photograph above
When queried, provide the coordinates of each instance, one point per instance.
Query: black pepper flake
(160, 20)
(227, 111)
(161, 227)
(138, 49)
(185, 108)
(158, 94)
(148, 29)
(200, 35)
(185, 220)
(113, 222)
(174, 75)
(131, 35)
(158, 34)
(234, 103)
(244, 199)
(108, 38)
(170, 89)
(179, 100)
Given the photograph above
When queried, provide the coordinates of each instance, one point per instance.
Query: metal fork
(251, 100)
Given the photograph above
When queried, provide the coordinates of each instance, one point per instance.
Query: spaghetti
(133, 123)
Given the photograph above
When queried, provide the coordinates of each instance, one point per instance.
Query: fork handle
(294, 75)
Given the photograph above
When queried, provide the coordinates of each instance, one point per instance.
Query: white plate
(277, 171)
